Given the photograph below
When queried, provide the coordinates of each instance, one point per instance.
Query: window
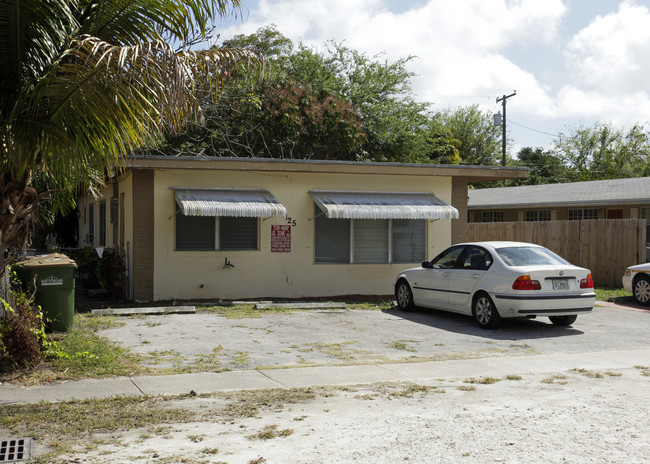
(583, 214)
(492, 216)
(538, 215)
(368, 241)
(208, 233)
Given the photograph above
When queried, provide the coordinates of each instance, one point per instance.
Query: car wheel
(642, 290)
(563, 320)
(404, 296)
(485, 313)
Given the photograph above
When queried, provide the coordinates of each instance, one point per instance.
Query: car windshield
(529, 256)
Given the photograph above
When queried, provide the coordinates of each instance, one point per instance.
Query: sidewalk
(418, 372)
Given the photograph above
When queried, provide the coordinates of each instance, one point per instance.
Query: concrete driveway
(211, 342)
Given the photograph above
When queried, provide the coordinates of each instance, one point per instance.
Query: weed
(196, 438)
(210, 450)
(513, 377)
(483, 380)
(402, 345)
(588, 373)
(466, 387)
(269, 432)
(556, 379)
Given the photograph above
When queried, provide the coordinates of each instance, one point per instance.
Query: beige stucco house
(208, 228)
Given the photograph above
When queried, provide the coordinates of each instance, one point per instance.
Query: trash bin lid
(52, 259)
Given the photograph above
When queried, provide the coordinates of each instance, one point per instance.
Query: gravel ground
(572, 417)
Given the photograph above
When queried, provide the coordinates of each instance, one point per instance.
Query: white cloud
(458, 43)
(611, 55)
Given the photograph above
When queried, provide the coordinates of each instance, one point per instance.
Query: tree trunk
(18, 207)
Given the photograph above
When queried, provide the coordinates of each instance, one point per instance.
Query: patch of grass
(513, 377)
(410, 390)
(402, 345)
(556, 379)
(466, 387)
(241, 358)
(610, 293)
(335, 350)
(249, 403)
(70, 420)
(269, 432)
(645, 370)
(588, 373)
(84, 354)
(245, 311)
(97, 323)
(196, 438)
(483, 380)
(373, 305)
(210, 450)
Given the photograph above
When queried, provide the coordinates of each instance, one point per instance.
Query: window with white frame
(368, 241)
(538, 215)
(492, 216)
(583, 214)
(208, 233)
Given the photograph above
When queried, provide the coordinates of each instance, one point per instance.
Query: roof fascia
(471, 173)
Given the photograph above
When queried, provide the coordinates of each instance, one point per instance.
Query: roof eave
(469, 173)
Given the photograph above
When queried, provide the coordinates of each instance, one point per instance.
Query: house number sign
(280, 239)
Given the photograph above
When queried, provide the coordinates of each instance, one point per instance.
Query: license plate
(560, 284)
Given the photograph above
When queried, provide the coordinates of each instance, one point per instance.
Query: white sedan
(495, 280)
(637, 281)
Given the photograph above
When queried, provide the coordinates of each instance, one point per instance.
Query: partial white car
(637, 280)
(495, 280)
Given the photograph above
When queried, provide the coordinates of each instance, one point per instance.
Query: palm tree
(85, 82)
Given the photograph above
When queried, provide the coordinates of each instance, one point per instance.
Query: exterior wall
(459, 201)
(262, 273)
(144, 235)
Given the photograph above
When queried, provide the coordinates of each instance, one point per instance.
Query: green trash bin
(54, 276)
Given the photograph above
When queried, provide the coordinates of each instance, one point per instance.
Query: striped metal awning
(382, 205)
(228, 202)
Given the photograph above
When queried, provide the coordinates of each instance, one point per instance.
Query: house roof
(598, 192)
(470, 173)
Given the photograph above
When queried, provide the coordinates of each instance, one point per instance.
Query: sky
(572, 63)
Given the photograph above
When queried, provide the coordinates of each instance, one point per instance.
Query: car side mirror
(426, 264)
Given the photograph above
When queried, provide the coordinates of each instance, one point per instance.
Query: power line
(531, 129)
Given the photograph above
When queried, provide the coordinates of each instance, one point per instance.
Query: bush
(22, 333)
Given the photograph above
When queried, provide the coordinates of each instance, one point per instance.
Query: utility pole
(503, 126)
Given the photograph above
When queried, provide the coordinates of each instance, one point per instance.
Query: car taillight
(588, 282)
(524, 282)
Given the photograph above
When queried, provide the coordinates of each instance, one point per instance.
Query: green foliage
(335, 104)
(480, 139)
(604, 152)
(94, 272)
(22, 331)
(83, 84)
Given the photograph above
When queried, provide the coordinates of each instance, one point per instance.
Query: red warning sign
(280, 239)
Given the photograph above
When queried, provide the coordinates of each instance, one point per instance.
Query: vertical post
(503, 126)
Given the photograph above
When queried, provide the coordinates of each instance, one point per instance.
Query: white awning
(228, 202)
(383, 205)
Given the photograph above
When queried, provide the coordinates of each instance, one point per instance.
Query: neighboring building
(207, 228)
(599, 199)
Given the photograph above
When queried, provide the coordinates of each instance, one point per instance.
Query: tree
(84, 82)
(544, 167)
(480, 139)
(604, 152)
